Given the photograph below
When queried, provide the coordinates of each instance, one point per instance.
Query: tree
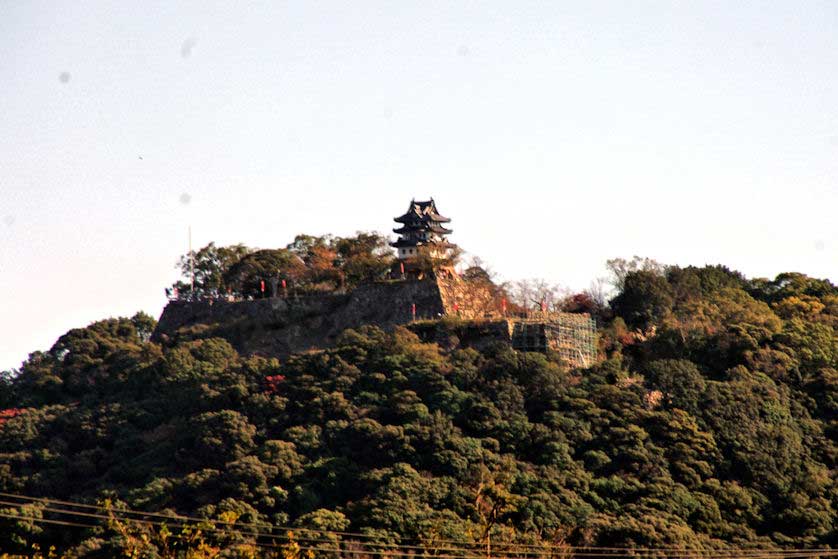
(219, 437)
(732, 444)
(210, 263)
(535, 294)
(792, 284)
(644, 299)
(144, 324)
(321, 259)
(364, 257)
(246, 276)
(7, 387)
(478, 272)
(580, 303)
(494, 502)
(303, 245)
(620, 268)
(680, 381)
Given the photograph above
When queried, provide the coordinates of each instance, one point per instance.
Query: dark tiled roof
(416, 243)
(405, 243)
(426, 226)
(422, 211)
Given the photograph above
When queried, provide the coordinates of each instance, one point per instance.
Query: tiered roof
(431, 226)
(422, 211)
(421, 224)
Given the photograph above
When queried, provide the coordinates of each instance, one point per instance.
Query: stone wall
(473, 301)
(279, 326)
(451, 334)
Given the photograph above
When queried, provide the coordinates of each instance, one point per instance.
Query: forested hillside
(710, 422)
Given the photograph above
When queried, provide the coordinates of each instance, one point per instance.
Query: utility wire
(362, 535)
(47, 521)
(369, 536)
(499, 554)
(527, 549)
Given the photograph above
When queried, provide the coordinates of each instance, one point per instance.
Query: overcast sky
(555, 135)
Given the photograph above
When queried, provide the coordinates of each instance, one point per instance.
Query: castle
(423, 288)
(422, 228)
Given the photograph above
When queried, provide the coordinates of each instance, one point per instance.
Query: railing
(236, 298)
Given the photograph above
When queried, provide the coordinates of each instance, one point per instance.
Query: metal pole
(191, 264)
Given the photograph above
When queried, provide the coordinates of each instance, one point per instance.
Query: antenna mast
(191, 264)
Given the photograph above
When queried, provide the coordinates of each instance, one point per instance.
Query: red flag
(413, 311)
(283, 284)
(262, 285)
(543, 306)
(456, 307)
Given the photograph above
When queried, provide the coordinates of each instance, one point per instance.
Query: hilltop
(280, 301)
(709, 422)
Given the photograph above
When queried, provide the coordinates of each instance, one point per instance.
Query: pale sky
(556, 135)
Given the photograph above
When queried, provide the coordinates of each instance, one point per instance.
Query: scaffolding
(571, 335)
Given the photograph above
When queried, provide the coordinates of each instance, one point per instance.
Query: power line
(342, 550)
(526, 549)
(47, 521)
(368, 536)
(390, 549)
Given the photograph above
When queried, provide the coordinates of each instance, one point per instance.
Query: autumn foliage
(711, 423)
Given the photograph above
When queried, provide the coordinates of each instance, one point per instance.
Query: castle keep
(422, 228)
(282, 325)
